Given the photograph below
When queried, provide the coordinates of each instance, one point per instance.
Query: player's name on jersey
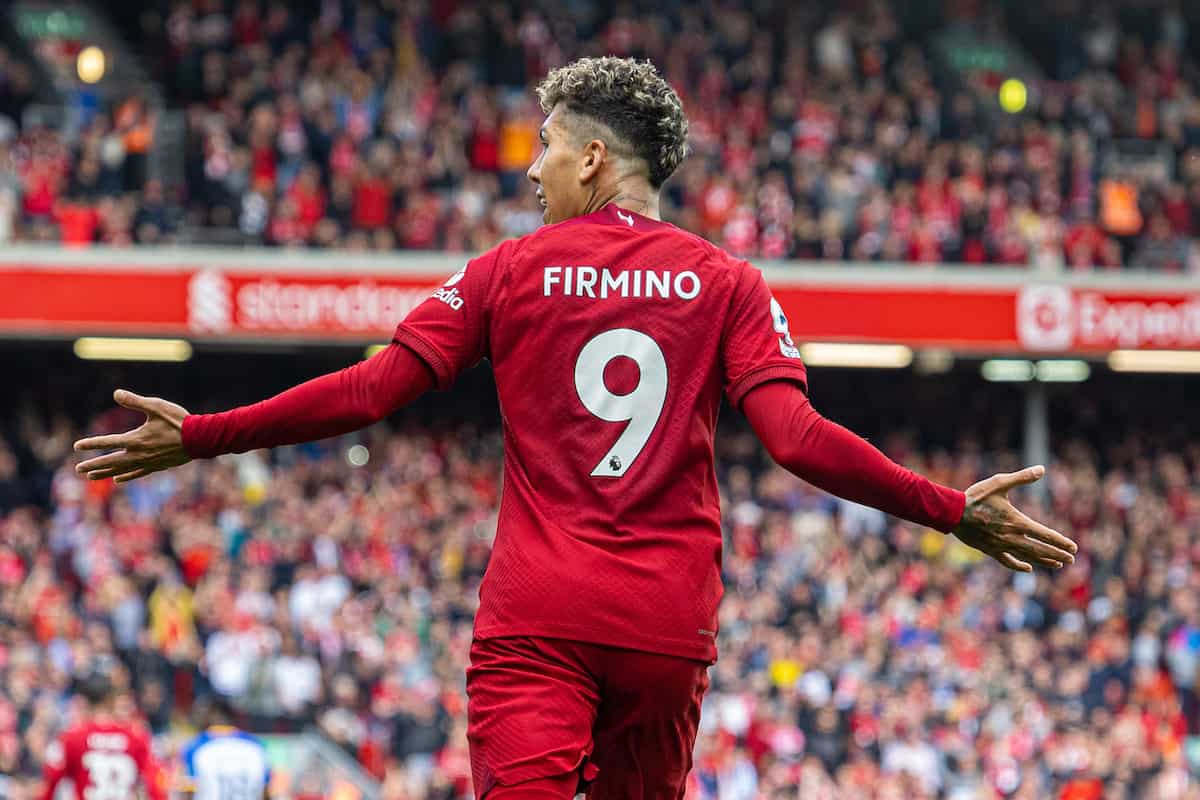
(603, 283)
(107, 741)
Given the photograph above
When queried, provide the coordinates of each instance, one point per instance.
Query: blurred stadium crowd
(860, 657)
(820, 130)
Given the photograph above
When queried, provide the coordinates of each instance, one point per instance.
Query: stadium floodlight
(1063, 371)
(1154, 360)
(880, 356)
(1008, 370)
(103, 348)
(90, 64)
(372, 349)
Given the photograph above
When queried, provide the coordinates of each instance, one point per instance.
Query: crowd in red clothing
(859, 657)
(820, 130)
(94, 190)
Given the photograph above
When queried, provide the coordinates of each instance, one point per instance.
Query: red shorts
(624, 721)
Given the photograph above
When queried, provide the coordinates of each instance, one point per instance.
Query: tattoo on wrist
(983, 515)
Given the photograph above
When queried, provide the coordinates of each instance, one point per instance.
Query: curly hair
(630, 99)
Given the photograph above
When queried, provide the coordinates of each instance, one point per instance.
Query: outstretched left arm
(842, 463)
(832, 458)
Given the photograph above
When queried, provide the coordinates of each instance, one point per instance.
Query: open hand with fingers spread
(991, 524)
(155, 445)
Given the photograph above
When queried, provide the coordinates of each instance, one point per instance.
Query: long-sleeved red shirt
(820, 451)
(613, 338)
(842, 463)
(330, 405)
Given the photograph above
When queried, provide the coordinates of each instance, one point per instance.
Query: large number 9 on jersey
(641, 407)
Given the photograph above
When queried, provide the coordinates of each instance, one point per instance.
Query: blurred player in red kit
(613, 337)
(104, 757)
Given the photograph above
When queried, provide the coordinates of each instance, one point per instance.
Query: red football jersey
(105, 761)
(613, 337)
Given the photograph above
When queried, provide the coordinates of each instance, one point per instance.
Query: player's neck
(638, 199)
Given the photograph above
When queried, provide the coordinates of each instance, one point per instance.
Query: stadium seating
(837, 138)
(860, 657)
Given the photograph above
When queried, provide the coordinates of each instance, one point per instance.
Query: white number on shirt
(235, 787)
(111, 776)
(641, 407)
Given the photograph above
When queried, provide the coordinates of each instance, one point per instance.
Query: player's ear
(594, 154)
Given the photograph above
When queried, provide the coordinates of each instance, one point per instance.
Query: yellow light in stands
(1013, 96)
(879, 356)
(1154, 360)
(100, 348)
(373, 349)
(90, 64)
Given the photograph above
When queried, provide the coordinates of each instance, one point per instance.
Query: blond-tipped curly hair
(629, 98)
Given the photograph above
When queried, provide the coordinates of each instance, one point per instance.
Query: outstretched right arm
(330, 405)
(434, 343)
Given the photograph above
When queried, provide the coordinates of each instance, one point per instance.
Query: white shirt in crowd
(297, 682)
(314, 601)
